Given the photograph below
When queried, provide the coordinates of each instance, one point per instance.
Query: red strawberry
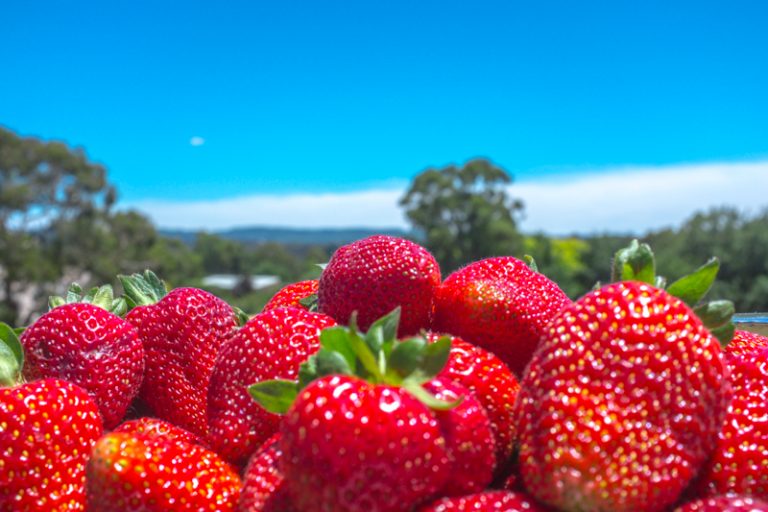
(501, 501)
(271, 345)
(731, 503)
(291, 296)
(84, 343)
(622, 402)
(499, 304)
(159, 428)
(375, 275)
(468, 437)
(739, 463)
(492, 383)
(146, 472)
(263, 484)
(745, 342)
(182, 333)
(354, 446)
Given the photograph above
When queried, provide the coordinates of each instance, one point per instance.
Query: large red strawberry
(263, 483)
(739, 464)
(182, 331)
(489, 501)
(150, 472)
(745, 342)
(271, 345)
(160, 428)
(491, 382)
(82, 341)
(729, 503)
(622, 402)
(47, 429)
(292, 295)
(363, 433)
(375, 275)
(499, 304)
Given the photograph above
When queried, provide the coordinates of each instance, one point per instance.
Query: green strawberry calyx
(101, 296)
(376, 356)
(636, 262)
(143, 289)
(11, 356)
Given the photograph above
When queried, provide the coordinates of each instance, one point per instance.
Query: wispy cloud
(196, 141)
(631, 199)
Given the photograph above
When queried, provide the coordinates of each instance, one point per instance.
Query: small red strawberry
(489, 501)
(182, 331)
(291, 296)
(375, 275)
(492, 383)
(82, 341)
(263, 484)
(745, 342)
(271, 345)
(159, 428)
(469, 441)
(361, 432)
(739, 464)
(621, 403)
(731, 503)
(499, 304)
(47, 429)
(148, 473)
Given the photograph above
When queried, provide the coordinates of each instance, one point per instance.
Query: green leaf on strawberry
(11, 355)
(101, 296)
(143, 289)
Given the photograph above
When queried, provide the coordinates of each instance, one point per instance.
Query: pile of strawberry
(382, 387)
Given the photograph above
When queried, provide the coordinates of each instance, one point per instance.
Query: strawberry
(263, 484)
(499, 304)
(501, 501)
(160, 428)
(375, 275)
(491, 382)
(47, 429)
(469, 441)
(293, 295)
(82, 341)
(182, 332)
(621, 403)
(361, 432)
(148, 472)
(271, 345)
(731, 503)
(745, 342)
(739, 463)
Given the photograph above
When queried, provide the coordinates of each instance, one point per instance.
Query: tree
(42, 185)
(464, 213)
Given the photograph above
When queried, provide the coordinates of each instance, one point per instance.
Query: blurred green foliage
(57, 222)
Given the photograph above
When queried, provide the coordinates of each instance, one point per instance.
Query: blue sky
(195, 103)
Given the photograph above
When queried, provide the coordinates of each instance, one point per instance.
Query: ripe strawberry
(83, 342)
(361, 432)
(499, 304)
(731, 503)
(147, 472)
(745, 342)
(739, 464)
(291, 296)
(468, 438)
(159, 428)
(501, 501)
(375, 275)
(271, 345)
(263, 484)
(622, 402)
(181, 333)
(492, 383)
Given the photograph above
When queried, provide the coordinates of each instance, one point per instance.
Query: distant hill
(298, 236)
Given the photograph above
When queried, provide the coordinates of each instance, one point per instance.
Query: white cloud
(196, 141)
(618, 200)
